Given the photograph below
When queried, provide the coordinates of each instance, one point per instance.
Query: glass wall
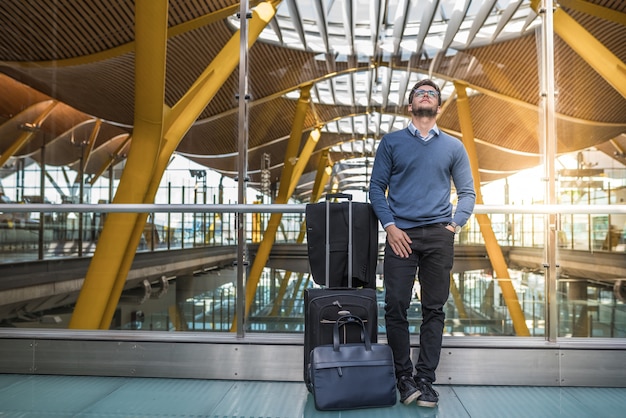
(589, 302)
(591, 241)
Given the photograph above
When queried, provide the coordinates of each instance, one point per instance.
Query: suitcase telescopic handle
(330, 196)
(350, 226)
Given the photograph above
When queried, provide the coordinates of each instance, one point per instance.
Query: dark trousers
(432, 258)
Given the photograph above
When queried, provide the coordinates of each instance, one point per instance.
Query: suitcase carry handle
(351, 319)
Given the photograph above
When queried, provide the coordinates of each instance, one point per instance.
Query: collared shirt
(433, 131)
(410, 180)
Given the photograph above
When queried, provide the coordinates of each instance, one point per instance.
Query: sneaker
(428, 396)
(408, 390)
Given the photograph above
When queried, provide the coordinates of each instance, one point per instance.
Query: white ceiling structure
(360, 57)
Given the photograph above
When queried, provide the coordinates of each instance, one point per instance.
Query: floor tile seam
(231, 384)
(456, 394)
(103, 399)
(17, 383)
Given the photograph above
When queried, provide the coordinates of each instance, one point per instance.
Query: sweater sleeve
(379, 182)
(464, 184)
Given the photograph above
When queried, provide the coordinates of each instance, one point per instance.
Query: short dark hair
(427, 82)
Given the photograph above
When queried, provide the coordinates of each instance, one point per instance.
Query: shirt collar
(433, 131)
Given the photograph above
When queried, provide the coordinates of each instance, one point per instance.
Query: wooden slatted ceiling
(609, 33)
(48, 30)
(188, 55)
(42, 30)
(509, 68)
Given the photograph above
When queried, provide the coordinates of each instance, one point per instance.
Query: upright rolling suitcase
(332, 254)
(323, 306)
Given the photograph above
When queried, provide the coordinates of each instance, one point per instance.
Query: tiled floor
(73, 396)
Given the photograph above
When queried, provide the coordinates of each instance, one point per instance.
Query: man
(410, 193)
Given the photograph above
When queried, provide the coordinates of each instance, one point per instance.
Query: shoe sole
(412, 398)
(427, 404)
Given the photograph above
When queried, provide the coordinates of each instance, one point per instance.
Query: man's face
(425, 102)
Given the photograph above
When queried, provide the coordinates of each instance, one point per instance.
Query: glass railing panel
(588, 306)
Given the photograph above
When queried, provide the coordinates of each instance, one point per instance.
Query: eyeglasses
(422, 93)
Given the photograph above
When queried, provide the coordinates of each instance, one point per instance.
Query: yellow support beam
(321, 179)
(190, 25)
(108, 269)
(177, 318)
(87, 149)
(491, 243)
(296, 291)
(269, 236)
(293, 168)
(26, 136)
(179, 119)
(324, 170)
(193, 103)
(599, 57)
(150, 122)
(285, 282)
(293, 145)
(303, 159)
(155, 153)
(458, 299)
(110, 160)
(281, 293)
(595, 10)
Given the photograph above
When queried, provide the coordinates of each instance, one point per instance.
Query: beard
(428, 112)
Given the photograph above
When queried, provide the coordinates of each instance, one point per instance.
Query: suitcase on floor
(323, 306)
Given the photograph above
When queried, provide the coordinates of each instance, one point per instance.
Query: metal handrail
(288, 208)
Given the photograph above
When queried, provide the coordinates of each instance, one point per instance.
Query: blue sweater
(410, 183)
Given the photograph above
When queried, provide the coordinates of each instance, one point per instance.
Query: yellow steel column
(269, 236)
(293, 146)
(491, 243)
(179, 119)
(303, 159)
(599, 57)
(178, 122)
(321, 179)
(285, 281)
(294, 294)
(589, 8)
(26, 136)
(150, 54)
(110, 160)
(458, 299)
(118, 241)
(191, 105)
(87, 149)
(293, 168)
(324, 169)
(281, 293)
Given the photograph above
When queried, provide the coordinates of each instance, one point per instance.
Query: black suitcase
(323, 306)
(332, 255)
